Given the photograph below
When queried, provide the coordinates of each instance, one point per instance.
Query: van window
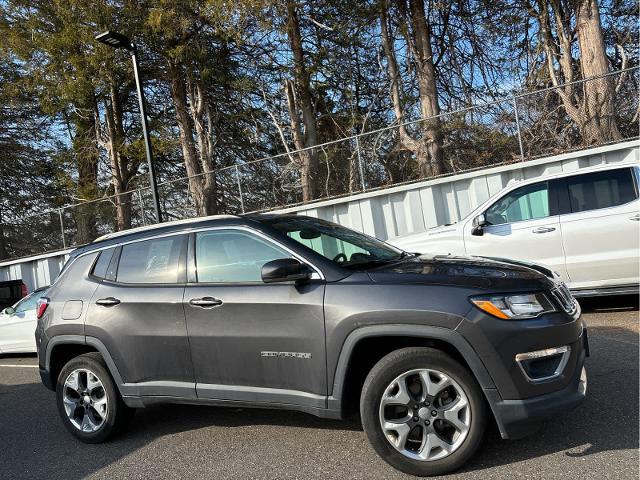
(592, 191)
(228, 256)
(524, 203)
(150, 261)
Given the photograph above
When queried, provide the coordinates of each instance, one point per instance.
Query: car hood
(465, 271)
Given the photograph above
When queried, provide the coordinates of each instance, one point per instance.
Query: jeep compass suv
(293, 312)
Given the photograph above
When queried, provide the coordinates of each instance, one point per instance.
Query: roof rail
(160, 225)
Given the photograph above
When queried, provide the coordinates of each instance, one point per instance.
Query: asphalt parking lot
(598, 440)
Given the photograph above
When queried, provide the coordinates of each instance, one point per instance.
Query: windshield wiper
(380, 261)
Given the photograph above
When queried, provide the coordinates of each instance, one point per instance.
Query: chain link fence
(512, 128)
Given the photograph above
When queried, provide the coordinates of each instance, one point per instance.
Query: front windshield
(345, 247)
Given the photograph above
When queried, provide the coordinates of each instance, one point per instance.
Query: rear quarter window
(101, 267)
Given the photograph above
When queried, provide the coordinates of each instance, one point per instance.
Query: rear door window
(151, 261)
(593, 191)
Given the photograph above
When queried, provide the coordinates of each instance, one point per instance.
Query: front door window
(524, 203)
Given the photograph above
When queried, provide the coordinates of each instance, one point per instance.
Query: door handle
(205, 302)
(636, 217)
(107, 302)
(543, 230)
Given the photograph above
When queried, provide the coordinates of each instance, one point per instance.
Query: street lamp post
(117, 40)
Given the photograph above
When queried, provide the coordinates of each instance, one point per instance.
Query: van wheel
(422, 411)
(88, 401)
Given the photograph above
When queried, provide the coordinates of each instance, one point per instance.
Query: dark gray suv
(293, 312)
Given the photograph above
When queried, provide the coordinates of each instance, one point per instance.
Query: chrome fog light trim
(582, 388)
(547, 352)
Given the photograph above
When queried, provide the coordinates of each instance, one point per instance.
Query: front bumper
(45, 376)
(518, 418)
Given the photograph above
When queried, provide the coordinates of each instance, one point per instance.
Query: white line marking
(19, 366)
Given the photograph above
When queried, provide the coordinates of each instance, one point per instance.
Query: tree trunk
(191, 161)
(427, 150)
(593, 113)
(3, 241)
(429, 155)
(600, 124)
(87, 165)
(202, 119)
(300, 99)
(112, 139)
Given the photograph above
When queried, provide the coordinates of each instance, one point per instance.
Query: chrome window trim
(317, 271)
(317, 275)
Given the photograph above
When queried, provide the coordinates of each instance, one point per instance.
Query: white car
(18, 325)
(584, 225)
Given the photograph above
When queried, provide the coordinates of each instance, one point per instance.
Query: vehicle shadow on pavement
(35, 444)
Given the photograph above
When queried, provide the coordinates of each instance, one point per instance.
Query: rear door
(137, 313)
(252, 341)
(600, 228)
(524, 225)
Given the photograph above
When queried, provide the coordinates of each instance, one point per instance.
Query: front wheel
(88, 401)
(422, 411)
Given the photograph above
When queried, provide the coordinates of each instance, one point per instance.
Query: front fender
(453, 338)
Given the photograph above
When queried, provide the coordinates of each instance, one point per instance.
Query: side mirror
(9, 311)
(285, 270)
(478, 225)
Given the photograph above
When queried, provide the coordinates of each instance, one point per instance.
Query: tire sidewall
(394, 365)
(97, 367)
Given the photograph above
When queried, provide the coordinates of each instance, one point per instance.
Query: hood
(465, 271)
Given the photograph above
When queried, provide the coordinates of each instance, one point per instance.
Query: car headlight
(514, 306)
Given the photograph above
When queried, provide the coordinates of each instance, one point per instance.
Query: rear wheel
(88, 401)
(423, 412)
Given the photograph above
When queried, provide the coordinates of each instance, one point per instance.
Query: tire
(423, 454)
(97, 414)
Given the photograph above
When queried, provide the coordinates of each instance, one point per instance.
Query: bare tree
(299, 102)
(201, 180)
(590, 104)
(428, 148)
(110, 136)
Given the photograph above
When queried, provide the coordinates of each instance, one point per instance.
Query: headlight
(515, 306)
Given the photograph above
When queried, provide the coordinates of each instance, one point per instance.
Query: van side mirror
(9, 311)
(285, 270)
(478, 225)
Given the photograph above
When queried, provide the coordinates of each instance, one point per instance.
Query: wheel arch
(63, 348)
(365, 346)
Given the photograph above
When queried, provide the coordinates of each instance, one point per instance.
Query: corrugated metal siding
(395, 211)
(35, 272)
(408, 209)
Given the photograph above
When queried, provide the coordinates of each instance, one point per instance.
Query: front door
(522, 225)
(250, 339)
(138, 315)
